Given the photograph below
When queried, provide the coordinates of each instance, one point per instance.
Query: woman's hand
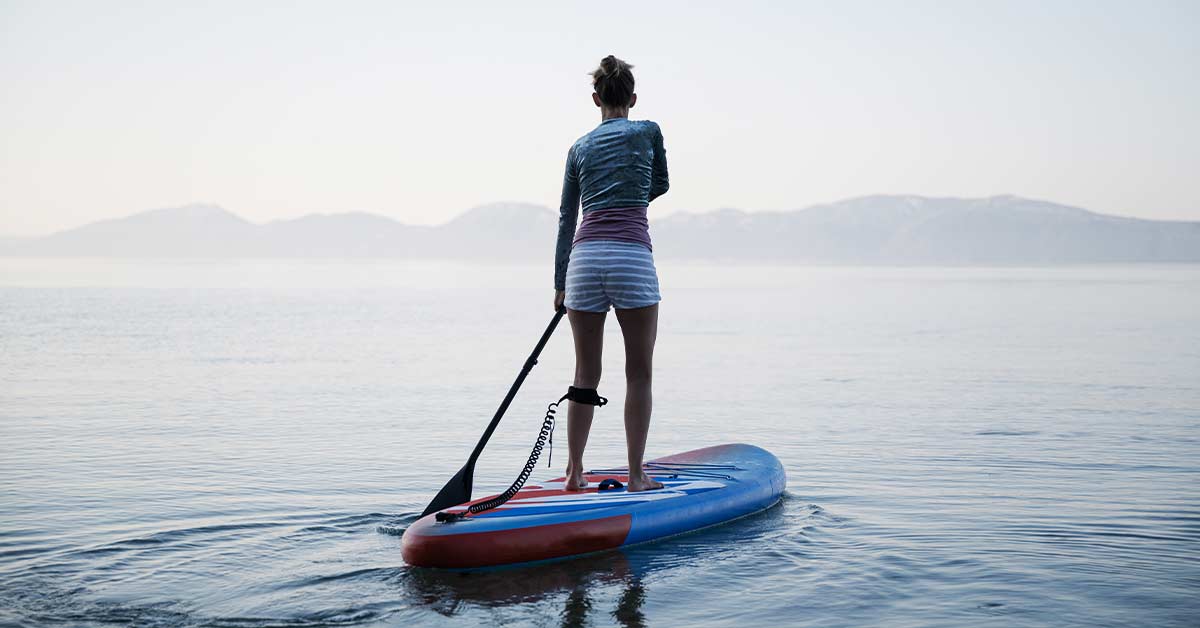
(559, 295)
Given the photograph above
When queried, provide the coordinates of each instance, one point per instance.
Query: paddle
(458, 489)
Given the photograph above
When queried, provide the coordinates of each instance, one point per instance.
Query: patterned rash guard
(620, 164)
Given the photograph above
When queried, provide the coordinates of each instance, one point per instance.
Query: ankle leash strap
(587, 396)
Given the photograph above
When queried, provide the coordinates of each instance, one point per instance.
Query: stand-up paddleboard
(701, 488)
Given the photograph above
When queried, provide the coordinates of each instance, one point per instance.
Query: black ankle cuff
(587, 396)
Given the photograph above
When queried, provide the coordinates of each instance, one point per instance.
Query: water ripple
(1003, 450)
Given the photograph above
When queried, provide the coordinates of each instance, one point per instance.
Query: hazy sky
(419, 112)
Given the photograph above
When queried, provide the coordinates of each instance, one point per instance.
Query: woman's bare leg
(588, 330)
(640, 328)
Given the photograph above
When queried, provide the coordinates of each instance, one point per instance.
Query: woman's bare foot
(575, 479)
(642, 482)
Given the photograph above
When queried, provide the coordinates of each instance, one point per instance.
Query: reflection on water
(598, 589)
(574, 581)
(629, 608)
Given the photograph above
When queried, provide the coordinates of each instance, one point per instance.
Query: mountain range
(866, 230)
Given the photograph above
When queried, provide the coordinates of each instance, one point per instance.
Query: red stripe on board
(714, 454)
(596, 478)
(538, 491)
(592, 487)
(499, 547)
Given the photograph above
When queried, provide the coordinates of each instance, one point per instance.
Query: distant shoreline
(530, 263)
(866, 231)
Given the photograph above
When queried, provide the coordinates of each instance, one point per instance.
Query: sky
(420, 111)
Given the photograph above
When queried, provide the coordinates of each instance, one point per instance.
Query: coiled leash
(545, 437)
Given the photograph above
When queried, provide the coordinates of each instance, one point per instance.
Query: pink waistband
(628, 224)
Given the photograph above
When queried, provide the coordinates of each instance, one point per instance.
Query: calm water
(242, 444)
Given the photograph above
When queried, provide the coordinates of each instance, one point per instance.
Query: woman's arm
(568, 216)
(659, 183)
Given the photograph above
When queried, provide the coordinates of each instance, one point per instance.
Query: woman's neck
(615, 112)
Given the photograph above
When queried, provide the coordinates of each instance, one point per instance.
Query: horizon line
(212, 205)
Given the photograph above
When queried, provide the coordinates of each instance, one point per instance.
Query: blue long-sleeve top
(621, 163)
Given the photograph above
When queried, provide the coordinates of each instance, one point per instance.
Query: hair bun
(613, 81)
(610, 65)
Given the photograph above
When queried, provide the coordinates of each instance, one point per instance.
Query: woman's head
(613, 82)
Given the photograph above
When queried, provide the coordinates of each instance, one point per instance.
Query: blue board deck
(701, 488)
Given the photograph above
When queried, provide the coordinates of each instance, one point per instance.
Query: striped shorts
(604, 273)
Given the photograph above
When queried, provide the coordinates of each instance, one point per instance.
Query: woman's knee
(638, 373)
(587, 376)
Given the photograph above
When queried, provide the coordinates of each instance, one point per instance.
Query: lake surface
(243, 443)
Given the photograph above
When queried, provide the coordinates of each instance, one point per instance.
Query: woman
(616, 170)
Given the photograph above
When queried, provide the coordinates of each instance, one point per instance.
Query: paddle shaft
(458, 489)
(512, 392)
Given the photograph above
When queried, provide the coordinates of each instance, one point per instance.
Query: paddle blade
(455, 492)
